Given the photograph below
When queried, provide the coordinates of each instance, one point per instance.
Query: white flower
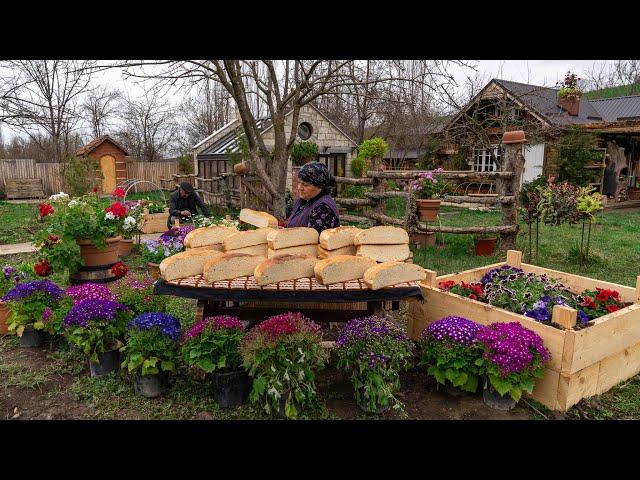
(109, 216)
(73, 203)
(59, 196)
(130, 223)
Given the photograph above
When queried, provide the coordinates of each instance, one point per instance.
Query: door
(533, 162)
(108, 167)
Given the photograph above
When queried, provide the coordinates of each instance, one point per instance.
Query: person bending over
(183, 203)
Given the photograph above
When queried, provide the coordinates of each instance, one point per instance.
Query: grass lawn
(18, 222)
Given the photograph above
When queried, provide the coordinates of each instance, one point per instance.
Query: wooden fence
(52, 174)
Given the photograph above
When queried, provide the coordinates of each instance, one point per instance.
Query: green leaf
(260, 385)
(205, 364)
(461, 379)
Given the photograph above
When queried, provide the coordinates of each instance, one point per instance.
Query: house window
(305, 130)
(483, 161)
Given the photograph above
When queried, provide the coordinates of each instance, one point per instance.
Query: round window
(305, 130)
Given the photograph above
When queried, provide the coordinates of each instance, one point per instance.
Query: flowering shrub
(31, 304)
(83, 218)
(212, 344)
(558, 203)
(450, 351)
(512, 357)
(569, 86)
(282, 354)
(429, 184)
(375, 351)
(152, 343)
(599, 302)
(95, 326)
(136, 292)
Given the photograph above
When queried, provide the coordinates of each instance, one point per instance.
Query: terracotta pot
(484, 246)
(428, 209)
(422, 238)
(154, 270)
(126, 244)
(634, 194)
(570, 103)
(240, 168)
(514, 136)
(95, 257)
(4, 315)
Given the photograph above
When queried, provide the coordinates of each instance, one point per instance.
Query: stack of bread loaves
(293, 241)
(253, 242)
(383, 244)
(209, 238)
(337, 241)
(258, 219)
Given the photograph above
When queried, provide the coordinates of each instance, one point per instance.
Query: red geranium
(118, 192)
(117, 209)
(94, 189)
(588, 302)
(612, 308)
(119, 270)
(42, 268)
(45, 209)
(473, 296)
(446, 285)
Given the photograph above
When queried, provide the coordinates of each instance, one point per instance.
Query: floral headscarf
(317, 173)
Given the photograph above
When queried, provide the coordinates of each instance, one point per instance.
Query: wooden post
(565, 316)
(378, 187)
(512, 161)
(514, 258)
(637, 300)
(430, 280)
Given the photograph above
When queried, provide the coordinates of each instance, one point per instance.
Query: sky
(537, 72)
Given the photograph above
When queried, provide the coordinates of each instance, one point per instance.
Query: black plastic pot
(454, 391)
(283, 403)
(379, 408)
(107, 362)
(231, 389)
(496, 401)
(151, 386)
(32, 337)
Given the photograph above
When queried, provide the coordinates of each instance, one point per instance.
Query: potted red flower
(426, 188)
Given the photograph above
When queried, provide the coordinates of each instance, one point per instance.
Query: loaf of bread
(391, 273)
(342, 268)
(284, 267)
(186, 264)
(310, 250)
(248, 238)
(348, 250)
(260, 250)
(216, 246)
(230, 265)
(381, 236)
(201, 237)
(292, 237)
(385, 253)
(258, 219)
(339, 237)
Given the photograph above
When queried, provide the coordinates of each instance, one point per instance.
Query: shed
(111, 158)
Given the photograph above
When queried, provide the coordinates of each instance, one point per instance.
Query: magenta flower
(90, 291)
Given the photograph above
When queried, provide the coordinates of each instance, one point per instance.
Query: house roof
(618, 108)
(95, 143)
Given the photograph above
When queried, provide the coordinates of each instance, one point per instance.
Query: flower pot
(422, 239)
(283, 403)
(107, 362)
(428, 209)
(456, 392)
(484, 246)
(231, 389)
(634, 194)
(32, 337)
(95, 257)
(4, 316)
(126, 244)
(379, 408)
(154, 270)
(496, 401)
(151, 386)
(240, 168)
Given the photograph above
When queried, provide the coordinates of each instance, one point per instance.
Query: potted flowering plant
(449, 350)
(169, 243)
(79, 232)
(31, 305)
(374, 350)
(513, 357)
(136, 293)
(282, 355)
(131, 226)
(9, 278)
(95, 327)
(212, 345)
(151, 351)
(425, 188)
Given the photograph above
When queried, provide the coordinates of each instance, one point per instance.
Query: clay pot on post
(428, 209)
(240, 168)
(126, 244)
(95, 257)
(484, 245)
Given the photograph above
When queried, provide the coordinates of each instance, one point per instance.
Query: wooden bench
(24, 188)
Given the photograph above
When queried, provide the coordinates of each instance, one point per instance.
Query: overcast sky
(537, 72)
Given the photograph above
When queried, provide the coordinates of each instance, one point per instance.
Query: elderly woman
(315, 208)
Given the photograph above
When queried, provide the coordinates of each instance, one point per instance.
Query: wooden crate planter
(154, 222)
(583, 362)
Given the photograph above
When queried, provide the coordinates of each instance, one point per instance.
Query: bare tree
(99, 108)
(148, 127)
(40, 97)
(604, 75)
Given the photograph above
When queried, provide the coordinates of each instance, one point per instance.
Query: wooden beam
(356, 219)
(385, 218)
(485, 200)
(410, 175)
(378, 196)
(493, 229)
(358, 202)
(430, 280)
(354, 181)
(565, 316)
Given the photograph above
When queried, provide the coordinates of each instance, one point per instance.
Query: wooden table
(323, 303)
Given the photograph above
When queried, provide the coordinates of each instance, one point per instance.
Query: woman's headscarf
(317, 173)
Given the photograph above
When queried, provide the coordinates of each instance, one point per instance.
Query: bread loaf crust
(262, 268)
(249, 238)
(371, 274)
(194, 238)
(257, 218)
(168, 262)
(338, 237)
(229, 257)
(381, 235)
(292, 237)
(340, 261)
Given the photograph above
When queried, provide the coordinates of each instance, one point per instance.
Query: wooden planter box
(154, 222)
(583, 362)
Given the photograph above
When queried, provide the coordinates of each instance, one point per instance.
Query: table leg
(200, 310)
(375, 308)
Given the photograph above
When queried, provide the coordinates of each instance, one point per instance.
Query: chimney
(570, 103)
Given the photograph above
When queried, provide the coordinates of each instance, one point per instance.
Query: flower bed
(584, 361)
